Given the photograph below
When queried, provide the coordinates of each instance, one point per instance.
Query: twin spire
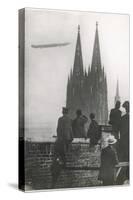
(96, 57)
(88, 90)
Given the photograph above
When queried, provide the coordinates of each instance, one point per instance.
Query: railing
(119, 167)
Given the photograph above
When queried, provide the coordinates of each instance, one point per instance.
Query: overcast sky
(47, 69)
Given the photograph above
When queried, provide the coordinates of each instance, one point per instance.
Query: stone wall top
(53, 140)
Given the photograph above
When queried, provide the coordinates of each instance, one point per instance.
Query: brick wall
(81, 168)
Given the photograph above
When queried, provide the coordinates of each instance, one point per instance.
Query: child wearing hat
(109, 159)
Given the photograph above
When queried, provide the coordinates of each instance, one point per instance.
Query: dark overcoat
(108, 161)
(114, 120)
(64, 129)
(124, 138)
(78, 127)
(93, 132)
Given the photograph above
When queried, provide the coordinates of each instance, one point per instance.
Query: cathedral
(88, 90)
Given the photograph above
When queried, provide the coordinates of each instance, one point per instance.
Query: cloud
(50, 45)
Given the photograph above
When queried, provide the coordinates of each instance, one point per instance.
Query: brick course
(81, 169)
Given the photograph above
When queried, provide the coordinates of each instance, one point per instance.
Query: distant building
(117, 96)
(88, 90)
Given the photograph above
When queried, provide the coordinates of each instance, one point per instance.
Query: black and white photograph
(74, 99)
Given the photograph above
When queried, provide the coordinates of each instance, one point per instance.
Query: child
(109, 159)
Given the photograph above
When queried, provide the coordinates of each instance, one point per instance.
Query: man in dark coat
(124, 134)
(64, 127)
(124, 145)
(108, 161)
(93, 131)
(78, 125)
(115, 118)
(64, 134)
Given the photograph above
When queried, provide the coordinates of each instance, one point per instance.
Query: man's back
(109, 157)
(64, 128)
(125, 124)
(94, 132)
(78, 126)
(115, 117)
(124, 138)
(108, 161)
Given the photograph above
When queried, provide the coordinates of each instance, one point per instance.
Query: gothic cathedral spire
(78, 60)
(98, 100)
(117, 96)
(96, 57)
(75, 91)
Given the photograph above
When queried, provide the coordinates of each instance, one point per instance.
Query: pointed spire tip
(78, 28)
(96, 23)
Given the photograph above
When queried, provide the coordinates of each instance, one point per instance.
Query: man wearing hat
(64, 133)
(109, 159)
(93, 131)
(115, 118)
(124, 145)
(78, 125)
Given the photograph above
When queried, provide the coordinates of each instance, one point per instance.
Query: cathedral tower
(76, 81)
(98, 84)
(88, 90)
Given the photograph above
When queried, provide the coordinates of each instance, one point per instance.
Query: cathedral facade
(88, 90)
